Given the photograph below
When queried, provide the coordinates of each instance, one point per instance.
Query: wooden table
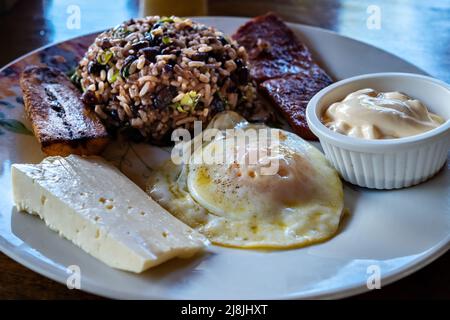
(418, 32)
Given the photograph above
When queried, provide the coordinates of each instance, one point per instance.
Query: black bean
(219, 55)
(105, 43)
(89, 98)
(150, 53)
(163, 97)
(239, 63)
(157, 41)
(200, 56)
(168, 68)
(140, 45)
(148, 37)
(94, 68)
(129, 59)
(124, 71)
(135, 109)
(222, 40)
(217, 104)
(157, 25)
(114, 114)
(153, 40)
(240, 76)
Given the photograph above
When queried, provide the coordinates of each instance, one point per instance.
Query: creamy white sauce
(369, 114)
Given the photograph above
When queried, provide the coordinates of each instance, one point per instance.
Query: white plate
(398, 231)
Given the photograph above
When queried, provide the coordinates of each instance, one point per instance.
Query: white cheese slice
(91, 203)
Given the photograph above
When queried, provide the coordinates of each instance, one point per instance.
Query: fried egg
(259, 195)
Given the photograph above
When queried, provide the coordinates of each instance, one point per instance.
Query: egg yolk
(240, 188)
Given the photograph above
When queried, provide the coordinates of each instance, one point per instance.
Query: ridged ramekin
(386, 163)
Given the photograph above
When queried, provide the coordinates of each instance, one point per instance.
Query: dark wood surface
(418, 31)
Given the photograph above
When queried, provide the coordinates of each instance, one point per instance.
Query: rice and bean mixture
(155, 74)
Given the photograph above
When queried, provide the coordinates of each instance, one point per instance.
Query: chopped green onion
(125, 71)
(166, 19)
(121, 31)
(190, 99)
(177, 106)
(104, 57)
(187, 100)
(166, 40)
(75, 78)
(114, 77)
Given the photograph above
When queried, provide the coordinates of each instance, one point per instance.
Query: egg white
(233, 204)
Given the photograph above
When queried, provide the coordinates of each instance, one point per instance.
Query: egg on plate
(275, 190)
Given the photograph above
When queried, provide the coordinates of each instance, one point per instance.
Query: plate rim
(343, 292)
(56, 274)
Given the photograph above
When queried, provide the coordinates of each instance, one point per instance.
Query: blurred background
(416, 30)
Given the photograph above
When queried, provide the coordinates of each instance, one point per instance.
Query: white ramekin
(387, 163)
